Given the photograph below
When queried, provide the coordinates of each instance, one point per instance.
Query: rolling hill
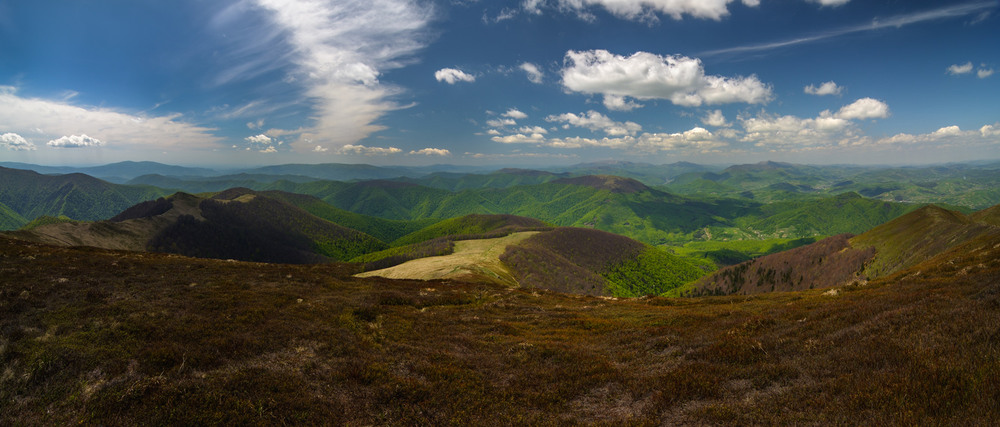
(237, 224)
(891, 247)
(77, 196)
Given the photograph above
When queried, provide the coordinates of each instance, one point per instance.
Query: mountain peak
(615, 184)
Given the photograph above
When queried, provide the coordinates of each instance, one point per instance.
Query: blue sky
(528, 82)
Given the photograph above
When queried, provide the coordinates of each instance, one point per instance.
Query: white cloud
(452, 76)
(947, 131)
(341, 48)
(493, 132)
(368, 151)
(432, 152)
(596, 122)
(833, 3)
(647, 10)
(619, 103)
(255, 125)
(28, 116)
(956, 69)
(864, 108)
(269, 150)
(75, 141)
(15, 142)
(824, 130)
(984, 72)
(514, 113)
(827, 88)
(258, 139)
(535, 75)
(520, 138)
(533, 129)
(893, 22)
(645, 76)
(497, 123)
(990, 130)
(715, 118)
(320, 149)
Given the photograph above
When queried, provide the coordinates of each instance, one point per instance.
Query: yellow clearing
(473, 260)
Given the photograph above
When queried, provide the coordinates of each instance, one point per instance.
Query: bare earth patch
(473, 260)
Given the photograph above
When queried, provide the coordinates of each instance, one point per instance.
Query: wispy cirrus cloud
(897, 21)
(341, 47)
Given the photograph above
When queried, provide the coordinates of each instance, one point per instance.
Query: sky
(525, 83)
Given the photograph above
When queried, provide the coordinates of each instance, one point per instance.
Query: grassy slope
(472, 260)
(117, 338)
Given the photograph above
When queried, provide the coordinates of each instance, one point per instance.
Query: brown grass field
(475, 260)
(116, 338)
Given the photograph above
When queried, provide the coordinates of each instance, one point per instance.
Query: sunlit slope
(891, 247)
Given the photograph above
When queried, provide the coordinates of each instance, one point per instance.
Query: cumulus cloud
(646, 76)
(497, 123)
(957, 69)
(452, 76)
(320, 149)
(258, 139)
(827, 88)
(516, 114)
(15, 142)
(432, 152)
(75, 141)
(520, 138)
(269, 150)
(715, 118)
(596, 122)
(990, 130)
(826, 129)
(533, 129)
(535, 75)
(984, 72)
(619, 103)
(29, 116)
(864, 108)
(341, 48)
(362, 150)
(833, 3)
(647, 10)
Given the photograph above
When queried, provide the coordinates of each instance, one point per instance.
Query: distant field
(472, 260)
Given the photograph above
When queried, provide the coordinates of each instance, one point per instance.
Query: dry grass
(472, 260)
(114, 338)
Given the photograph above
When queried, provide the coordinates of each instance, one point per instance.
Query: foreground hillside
(118, 338)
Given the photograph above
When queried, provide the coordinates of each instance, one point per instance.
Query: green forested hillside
(10, 220)
(76, 196)
(468, 225)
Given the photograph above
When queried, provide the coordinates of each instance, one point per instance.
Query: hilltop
(899, 244)
(238, 223)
